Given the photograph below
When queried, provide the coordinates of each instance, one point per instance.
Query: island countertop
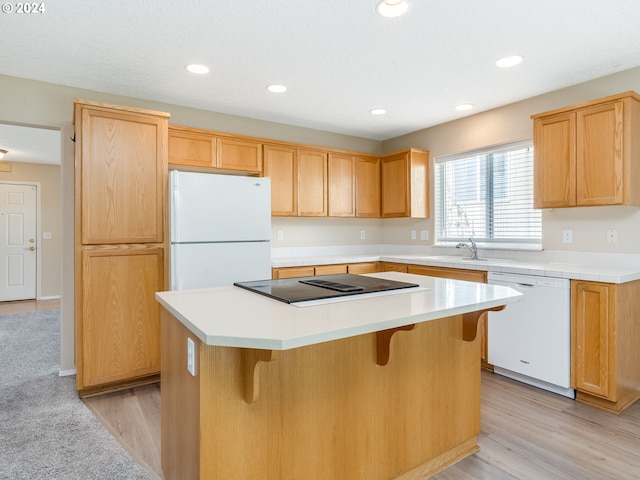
(234, 317)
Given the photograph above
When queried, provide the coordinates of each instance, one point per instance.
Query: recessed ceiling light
(277, 88)
(3, 152)
(509, 61)
(392, 8)
(197, 68)
(377, 111)
(464, 106)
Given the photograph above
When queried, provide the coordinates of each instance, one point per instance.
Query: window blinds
(487, 195)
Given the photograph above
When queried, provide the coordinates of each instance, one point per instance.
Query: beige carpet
(46, 432)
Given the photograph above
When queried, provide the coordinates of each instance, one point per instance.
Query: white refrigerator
(220, 229)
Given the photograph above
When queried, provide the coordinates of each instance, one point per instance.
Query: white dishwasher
(530, 340)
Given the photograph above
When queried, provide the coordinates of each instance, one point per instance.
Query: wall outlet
(567, 236)
(191, 357)
(612, 236)
(413, 235)
(363, 235)
(280, 235)
(424, 234)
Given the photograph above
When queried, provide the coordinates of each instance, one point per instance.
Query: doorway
(18, 241)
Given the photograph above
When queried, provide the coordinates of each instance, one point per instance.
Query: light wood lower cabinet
(469, 276)
(393, 267)
(605, 335)
(308, 271)
(119, 318)
(364, 267)
(292, 272)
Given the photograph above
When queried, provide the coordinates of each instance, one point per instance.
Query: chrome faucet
(473, 248)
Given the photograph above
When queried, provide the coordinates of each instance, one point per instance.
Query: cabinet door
(555, 161)
(292, 272)
(592, 338)
(405, 184)
(280, 165)
(454, 273)
(395, 186)
(191, 149)
(312, 183)
(368, 187)
(238, 154)
(364, 267)
(394, 267)
(468, 276)
(119, 319)
(341, 185)
(600, 161)
(121, 162)
(330, 269)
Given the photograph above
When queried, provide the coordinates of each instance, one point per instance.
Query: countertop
(558, 269)
(234, 317)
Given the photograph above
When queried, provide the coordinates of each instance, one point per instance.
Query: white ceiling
(30, 144)
(339, 58)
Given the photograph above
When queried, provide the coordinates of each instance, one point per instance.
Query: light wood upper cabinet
(239, 154)
(405, 184)
(555, 161)
(605, 334)
(368, 187)
(191, 147)
(298, 180)
(281, 165)
(120, 179)
(312, 183)
(588, 154)
(341, 173)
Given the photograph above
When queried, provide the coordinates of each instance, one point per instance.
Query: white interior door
(18, 241)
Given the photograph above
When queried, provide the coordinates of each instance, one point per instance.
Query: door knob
(32, 248)
(32, 240)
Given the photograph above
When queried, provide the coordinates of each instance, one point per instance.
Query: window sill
(526, 247)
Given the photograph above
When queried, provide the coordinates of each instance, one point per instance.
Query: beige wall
(512, 123)
(50, 221)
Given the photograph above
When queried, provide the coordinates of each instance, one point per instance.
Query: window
(487, 195)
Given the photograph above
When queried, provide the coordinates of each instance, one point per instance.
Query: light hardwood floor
(25, 306)
(527, 434)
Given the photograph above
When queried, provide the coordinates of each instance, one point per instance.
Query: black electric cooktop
(300, 289)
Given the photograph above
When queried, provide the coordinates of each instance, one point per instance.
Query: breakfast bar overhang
(370, 387)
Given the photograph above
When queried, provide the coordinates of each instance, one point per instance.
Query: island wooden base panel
(326, 411)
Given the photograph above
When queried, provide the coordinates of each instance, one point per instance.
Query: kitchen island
(375, 387)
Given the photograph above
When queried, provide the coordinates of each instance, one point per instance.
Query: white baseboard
(50, 297)
(67, 373)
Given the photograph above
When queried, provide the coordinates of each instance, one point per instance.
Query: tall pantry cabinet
(120, 244)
